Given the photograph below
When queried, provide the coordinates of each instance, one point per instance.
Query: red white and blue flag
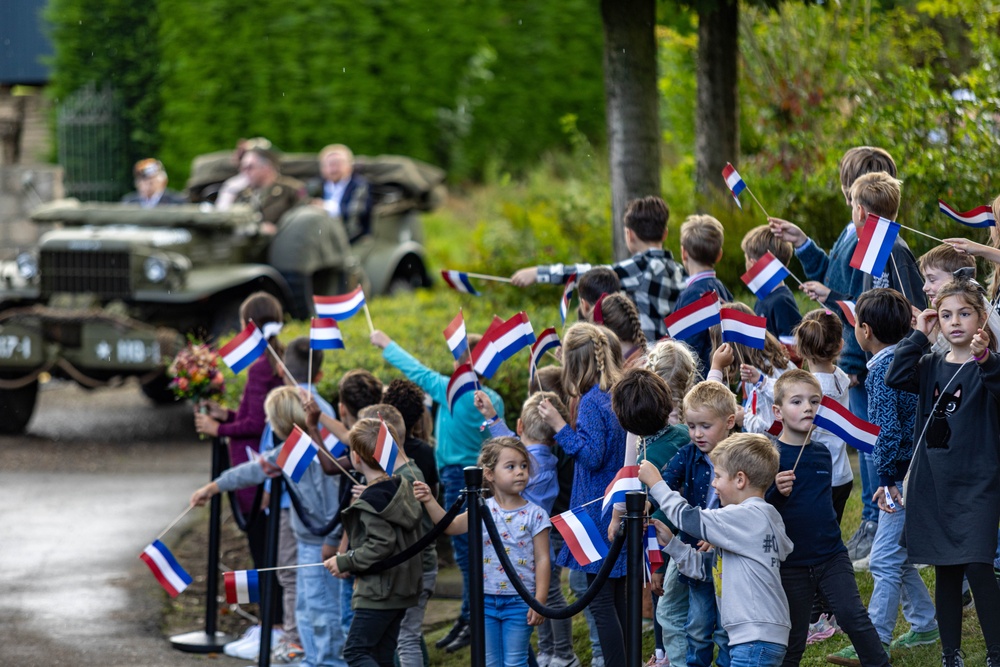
(734, 182)
(165, 568)
(694, 317)
(340, 307)
(462, 381)
(981, 216)
(386, 449)
(296, 454)
(743, 328)
(765, 275)
(581, 535)
(653, 551)
(838, 420)
(456, 337)
(848, 308)
(459, 282)
(875, 245)
(567, 297)
(244, 349)
(626, 480)
(332, 443)
(548, 340)
(324, 334)
(242, 586)
(501, 342)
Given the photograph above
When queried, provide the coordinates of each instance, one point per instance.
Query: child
(407, 397)
(618, 313)
(381, 522)
(938, 266)
(754, 610)
(317, 608)
(524, 529)
(883, 321)
(459, 438)
(593, 284)
(819, 562)
(591, 366)
(701, 249)
(779, 307)
(953, 504)
(651, 277)
(675, 362)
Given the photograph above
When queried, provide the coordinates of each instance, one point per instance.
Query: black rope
(522, 590)
(421, 544)
(244, 522)
(321, 531)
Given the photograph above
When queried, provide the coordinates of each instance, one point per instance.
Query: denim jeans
(578, 584)
(317, 610)
(372, 640)
(704, 627)
(858, 399)
(507, 631)
(346, 611)
(411, 629)
(453, 481)
(833, 578)
(895, 580)
(671, 615)
(556, 637)
(756, 654)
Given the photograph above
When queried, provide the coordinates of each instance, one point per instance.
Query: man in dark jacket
(151, 186)
(341, 192)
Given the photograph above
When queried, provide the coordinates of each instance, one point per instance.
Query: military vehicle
(111, 290)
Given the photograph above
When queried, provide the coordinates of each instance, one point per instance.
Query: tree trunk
(631, 102)
(717, 129)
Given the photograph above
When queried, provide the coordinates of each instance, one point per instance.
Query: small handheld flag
(849, 312)
(567, 297)
(626, 480)
(765, 275)
(332, 443)
(743, 328)
(244, 349)
(734, 182)
(386, 450)
(459, 282)
(981, 216)
(242, 586)
(165, 568)
(324, 334)
(456, 337)
(462, 381)
(653, 548)
(548, 340)
(296, 454)
(875, 245)
(501, 342)
(581, 535)
(838, 420)
(694, 317)
(340, 307)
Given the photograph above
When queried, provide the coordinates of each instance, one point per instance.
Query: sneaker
(250, 649)
(463, 639)
(287, 652)
(863, 545)
(993, 656)
(658, 662)
(953, 658)
(460, 624)
(913, 638)
(848, 656)
(574, 661)
(544, 659)
(251, 636)
(820, 630)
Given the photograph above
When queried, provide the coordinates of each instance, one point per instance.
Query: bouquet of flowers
(195, 373)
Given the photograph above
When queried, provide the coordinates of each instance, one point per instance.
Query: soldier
(151, 186)
(341, 192)
(269, 192)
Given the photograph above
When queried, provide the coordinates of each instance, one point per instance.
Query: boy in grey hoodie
(750, 541)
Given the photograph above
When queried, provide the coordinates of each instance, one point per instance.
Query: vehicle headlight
(155, 269)
(27, 265)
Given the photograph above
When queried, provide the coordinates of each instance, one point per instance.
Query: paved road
(98, 475)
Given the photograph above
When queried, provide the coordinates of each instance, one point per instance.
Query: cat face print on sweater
(945, 405)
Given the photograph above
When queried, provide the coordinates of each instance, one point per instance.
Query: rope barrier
(417, 547)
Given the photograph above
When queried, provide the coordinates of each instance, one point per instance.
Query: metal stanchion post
(268, 588)
(210, 641)
(477, 621)
(635, 506)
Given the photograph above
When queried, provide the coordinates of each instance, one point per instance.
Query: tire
(409, 275)
(16, 408)
(158, 390)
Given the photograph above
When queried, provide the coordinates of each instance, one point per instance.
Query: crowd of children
(747, 494)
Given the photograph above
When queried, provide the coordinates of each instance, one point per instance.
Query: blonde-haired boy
(779, 306)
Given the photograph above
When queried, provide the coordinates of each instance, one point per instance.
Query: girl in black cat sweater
(953, 493)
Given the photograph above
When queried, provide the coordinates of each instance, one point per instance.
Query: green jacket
(380, 523)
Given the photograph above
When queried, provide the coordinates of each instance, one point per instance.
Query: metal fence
(92, 144)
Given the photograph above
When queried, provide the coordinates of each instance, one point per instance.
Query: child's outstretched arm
(204, 494)
(690, 561)
(542, 571)
(422, 492)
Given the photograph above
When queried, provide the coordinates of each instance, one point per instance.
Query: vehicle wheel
(17, 406)
(409, 275)
(158, 390)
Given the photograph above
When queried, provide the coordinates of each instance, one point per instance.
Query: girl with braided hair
(676, 363)
(618, 313)
(591, 366)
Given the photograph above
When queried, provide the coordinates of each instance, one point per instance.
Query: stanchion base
(201, 642)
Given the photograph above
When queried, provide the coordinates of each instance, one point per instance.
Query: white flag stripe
(695, 317)
(165, 569)
(242, 350)
(582, 536)
(872, 251)
(766, 274)
(744, 328)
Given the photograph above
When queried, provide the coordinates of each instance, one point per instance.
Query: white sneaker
(250, 649)
(252, 635)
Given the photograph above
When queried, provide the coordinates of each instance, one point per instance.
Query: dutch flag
(548, 340)
(296, 454)
(626, 480)
(838, 420)
(653, 548)
(324, 334)
(386, 450)
(765, 275)
(743, 328)
(244, 349)
(875, 245)
(455, 336)
(462, 381)
(459, 282)
(694, 318)
(567, 297)
(165, 568)
(340, 307)
(332, 443)
(242, 586)
(581, 535)
(981, 216)
(734, 182)
(848, 308)
(513, 335)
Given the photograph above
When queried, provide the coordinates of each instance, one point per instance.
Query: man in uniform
(268, 192)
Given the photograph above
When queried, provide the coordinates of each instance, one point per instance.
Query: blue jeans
(756, 654)
(704, 627)
(895, 580)
(578, 584)
(317, 611)
(858, 398)
(671, 616)
(507, 631)
(346, 611)
(453, 480)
